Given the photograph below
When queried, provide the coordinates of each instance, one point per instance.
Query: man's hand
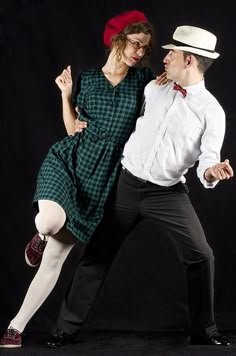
(79, 125)
(219, 171)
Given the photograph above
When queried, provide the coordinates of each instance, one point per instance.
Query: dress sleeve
(148, 75)
(77, 91)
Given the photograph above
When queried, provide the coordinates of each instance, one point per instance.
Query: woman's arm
(64, 82)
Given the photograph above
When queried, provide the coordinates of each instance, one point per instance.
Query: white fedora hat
(195, 40)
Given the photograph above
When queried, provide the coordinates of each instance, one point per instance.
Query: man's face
(174, 65)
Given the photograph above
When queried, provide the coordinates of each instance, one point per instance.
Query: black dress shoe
(215, 339)
(57, 338)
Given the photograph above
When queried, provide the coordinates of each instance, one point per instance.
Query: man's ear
(189, 59)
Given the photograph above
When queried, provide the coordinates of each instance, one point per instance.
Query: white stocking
(49, 221)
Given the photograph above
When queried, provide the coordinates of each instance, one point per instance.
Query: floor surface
(121, 344)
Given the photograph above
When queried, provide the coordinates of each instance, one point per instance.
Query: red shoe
(11, 339)
(34, 251)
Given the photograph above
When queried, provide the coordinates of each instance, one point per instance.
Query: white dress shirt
(175, 132)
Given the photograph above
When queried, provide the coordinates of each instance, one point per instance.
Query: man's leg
(196, 255)
(172, 209)
(81, 294)
(79, 300)
(92, 269)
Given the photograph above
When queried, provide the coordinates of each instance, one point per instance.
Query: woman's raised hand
(64, 81)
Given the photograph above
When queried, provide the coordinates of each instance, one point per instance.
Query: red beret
(118, 23)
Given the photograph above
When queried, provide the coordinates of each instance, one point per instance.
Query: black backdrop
(145, 289)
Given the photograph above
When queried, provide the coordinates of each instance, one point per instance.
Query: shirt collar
(195, 88)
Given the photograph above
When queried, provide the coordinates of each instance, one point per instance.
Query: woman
(78, 173)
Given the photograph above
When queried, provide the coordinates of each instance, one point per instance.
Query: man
(182, 123)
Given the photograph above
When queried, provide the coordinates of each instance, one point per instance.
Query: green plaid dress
(79, 172)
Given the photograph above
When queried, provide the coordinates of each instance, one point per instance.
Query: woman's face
(136, 46)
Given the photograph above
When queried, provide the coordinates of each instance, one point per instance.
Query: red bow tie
(179, 88)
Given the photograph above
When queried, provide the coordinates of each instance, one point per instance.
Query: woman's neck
(115, 67)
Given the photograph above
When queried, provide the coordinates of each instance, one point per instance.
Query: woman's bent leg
(49, 221)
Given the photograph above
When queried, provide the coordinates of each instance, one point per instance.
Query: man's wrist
(208, 176)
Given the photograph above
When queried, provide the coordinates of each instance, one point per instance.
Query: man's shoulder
(153, 87)
(208, 104)
(211, 99)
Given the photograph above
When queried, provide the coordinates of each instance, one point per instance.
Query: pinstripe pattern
(79, 172)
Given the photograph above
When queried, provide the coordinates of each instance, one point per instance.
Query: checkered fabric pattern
(80, 171)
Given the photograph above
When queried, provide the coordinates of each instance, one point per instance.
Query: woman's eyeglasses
(136, 44)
